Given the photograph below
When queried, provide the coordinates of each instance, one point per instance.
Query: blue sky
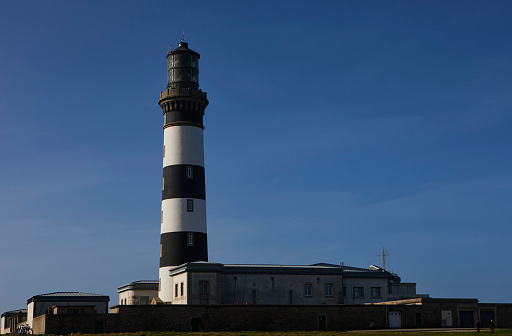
(334, 129)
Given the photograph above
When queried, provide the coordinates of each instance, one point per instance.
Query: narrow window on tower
(190, 172)
(163, 183)
(162, 217)
(190, 239)
(160, 250)
(164, 150)
(159, 283)
(190, 205)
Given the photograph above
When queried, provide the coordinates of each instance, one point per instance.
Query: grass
(501, 332)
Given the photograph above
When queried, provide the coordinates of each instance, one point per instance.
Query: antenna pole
(383, 255)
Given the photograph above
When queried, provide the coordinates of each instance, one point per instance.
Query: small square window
(308, 290)
(358, 292)
(190, 205)
(190, 172)
(190, 239)
(328, 290)
(376, 292)
(204, 287)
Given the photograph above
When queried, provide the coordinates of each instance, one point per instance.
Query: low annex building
(11, 319)
(209, 283)
(68, 303)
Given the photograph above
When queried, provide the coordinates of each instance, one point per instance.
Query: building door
(446, 316)
(395, 319)
(322, 322)
(466, 319)
(418, 319)
(485, 317)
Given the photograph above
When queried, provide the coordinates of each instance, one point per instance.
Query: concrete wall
(275, 289)
(267, 317)
(68, 324)
(367, 285)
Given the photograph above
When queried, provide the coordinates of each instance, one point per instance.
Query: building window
(190, 205)
(164, 150)
(308, 292)
(344, 291)
(159, 284)
(204, 287)
(162, 217)
(163, 183)
(160, 250)
(358, 292)
(393, 289)
(328, 290)
(181, 289)
(190, 172)
(290, 297)
(190, 239)
(176, 290)
(376, 292)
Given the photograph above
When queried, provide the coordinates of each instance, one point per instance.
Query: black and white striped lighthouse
(183, 221)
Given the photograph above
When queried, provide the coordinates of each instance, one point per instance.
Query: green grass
(501, 332)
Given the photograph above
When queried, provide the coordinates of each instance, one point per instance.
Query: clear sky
(334, 129)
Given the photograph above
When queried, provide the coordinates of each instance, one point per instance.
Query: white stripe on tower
(183, 235)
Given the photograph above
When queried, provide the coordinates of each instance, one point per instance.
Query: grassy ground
(503, 332)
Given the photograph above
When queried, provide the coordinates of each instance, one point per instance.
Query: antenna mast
(384, 255)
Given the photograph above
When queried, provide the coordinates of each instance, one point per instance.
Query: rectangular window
(190, 239)
(290, 297)
(308, 290)
(159, 284)
(358, 292)
(176, 290)
(393, 289)
(328, 290)
(164, 150)
(376, 292)
(204, 287)
(190, 172)
(162, 217)
(345, 291)
(181, 289)
(163, 183)
(190, 205)
(160, 250)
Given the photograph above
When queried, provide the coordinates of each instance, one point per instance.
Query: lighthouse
(183, 218)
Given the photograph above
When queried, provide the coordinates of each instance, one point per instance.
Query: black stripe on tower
(183, 181)
(192, 118)
(182, 247)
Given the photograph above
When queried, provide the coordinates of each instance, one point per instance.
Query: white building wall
(366, 284)
(137, 296)
(179, 280)
(30, 314)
